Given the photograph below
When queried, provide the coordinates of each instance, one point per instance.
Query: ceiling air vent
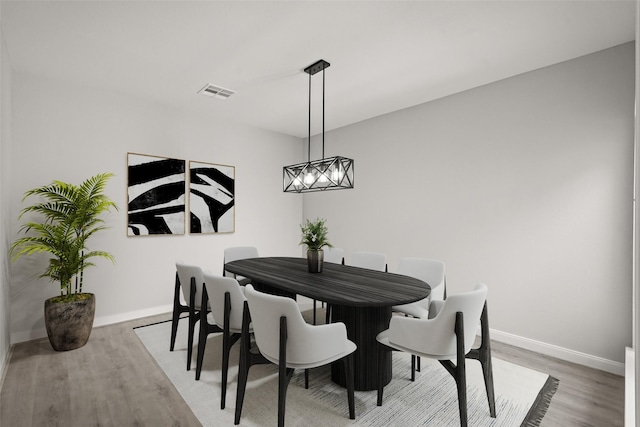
(217, 91)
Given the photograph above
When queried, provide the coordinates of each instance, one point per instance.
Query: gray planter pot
(315, 260)
(69, 324)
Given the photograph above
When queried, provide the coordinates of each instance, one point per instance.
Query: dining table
(360, 298)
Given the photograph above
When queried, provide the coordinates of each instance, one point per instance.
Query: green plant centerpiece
(314, 237)
(70, 216)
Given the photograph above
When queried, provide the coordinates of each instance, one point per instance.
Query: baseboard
(98, 321)
(584, 359)
(5, 366)
(562, 353)
(131, 315)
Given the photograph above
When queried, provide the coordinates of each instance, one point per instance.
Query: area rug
(522, 395)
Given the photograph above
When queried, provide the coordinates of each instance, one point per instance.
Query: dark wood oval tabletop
(336, 284)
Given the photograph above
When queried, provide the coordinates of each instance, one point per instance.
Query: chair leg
(348, 371)
(458, 371)
(382, 354)
(461, 375)
(177, 309)
(327, 317)
(228, 340)
(413, 367)
(284, 373)
(247, 359)
(225, 349)
(206, 328)
(306, 379)
(314, 312)
(193, 318)
(243, 371)
(418, 367)
(483, 355)
(202, 336)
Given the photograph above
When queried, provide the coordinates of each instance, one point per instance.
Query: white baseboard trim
(35, 334)
(5, 366)
(562, 353)
(131, 315)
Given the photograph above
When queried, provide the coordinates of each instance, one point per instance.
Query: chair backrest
(335, 255)
(370, 260)
(427, 270)
(236, 253)
(442, 339)
(217, 287)
(303, 342)
(185, 273)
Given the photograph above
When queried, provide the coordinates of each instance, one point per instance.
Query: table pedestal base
(363, 325)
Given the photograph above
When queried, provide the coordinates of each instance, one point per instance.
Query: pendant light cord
(309, 137)
(323, 113)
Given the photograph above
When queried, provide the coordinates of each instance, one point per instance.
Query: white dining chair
(227, 305)
(189, 279)
(428, 270)
(285, 339)
(433, 273)
(371, 260)
(447, 334)
(234, 254)
(334, 255)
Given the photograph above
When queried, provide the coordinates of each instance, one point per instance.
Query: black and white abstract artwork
(211, 198)
(156, 195)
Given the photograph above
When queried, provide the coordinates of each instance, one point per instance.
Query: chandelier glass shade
(330, 173)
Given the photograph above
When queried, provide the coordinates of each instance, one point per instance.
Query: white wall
(5, 239)
(524, 184)
(66, 132)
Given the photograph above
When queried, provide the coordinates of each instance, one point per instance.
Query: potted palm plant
(314, 236)
(70, 216)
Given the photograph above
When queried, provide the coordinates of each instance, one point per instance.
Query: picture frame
(155, 195)
(211, 198)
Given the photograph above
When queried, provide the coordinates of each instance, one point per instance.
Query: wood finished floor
(113, 381)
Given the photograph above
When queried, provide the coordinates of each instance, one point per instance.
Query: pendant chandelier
(330, 173)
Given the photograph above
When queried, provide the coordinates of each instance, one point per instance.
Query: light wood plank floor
(113, 381)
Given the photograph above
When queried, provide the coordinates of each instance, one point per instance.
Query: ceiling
(384, 55)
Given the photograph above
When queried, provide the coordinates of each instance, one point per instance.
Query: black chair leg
(413, 367)
(225, 368)
(314, 312)
(458, 371)
(202, 336)
(247, 359)
(382, 354)
(242, 382)
(243, 368)
(418, 367)
(284, 373)
(206, 328)
(177, 310)
(193, 318)
(483, 355)
(348, 372)
(461, 382)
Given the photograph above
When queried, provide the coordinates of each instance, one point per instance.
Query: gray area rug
(522, 395)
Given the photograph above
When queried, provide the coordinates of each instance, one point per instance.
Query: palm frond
(70, 217)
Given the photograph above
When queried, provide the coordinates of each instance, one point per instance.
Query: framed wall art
(156, 195)
(211, 198)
